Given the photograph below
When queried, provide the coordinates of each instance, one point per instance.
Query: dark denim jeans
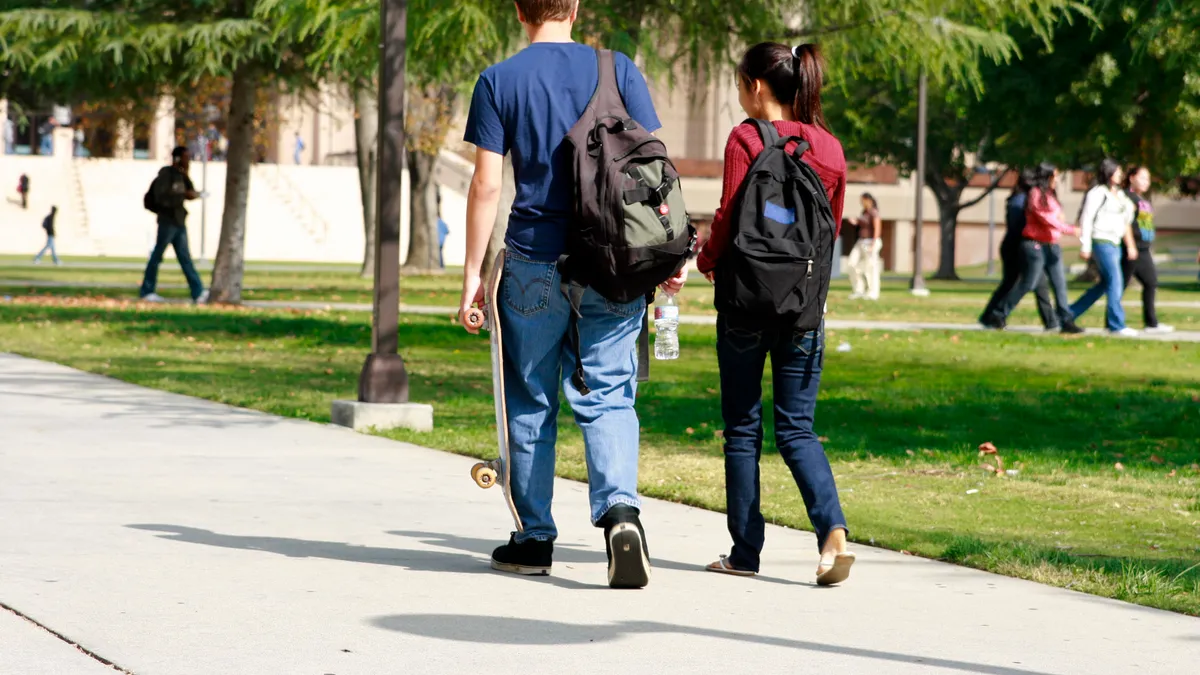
(170, 234)
(1041, 261)
(1012, 257)
(796, 361)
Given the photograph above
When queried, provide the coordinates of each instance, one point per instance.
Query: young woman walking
(1107, 222)
(1013, 259)
(1137, 185)
(1044, 226)
(864, 260)
(780, 85)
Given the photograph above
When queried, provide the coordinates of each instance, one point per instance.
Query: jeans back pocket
(526, 284)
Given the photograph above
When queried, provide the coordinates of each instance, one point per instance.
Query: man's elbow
(485, 188)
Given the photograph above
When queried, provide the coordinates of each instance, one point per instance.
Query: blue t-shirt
(526, 105)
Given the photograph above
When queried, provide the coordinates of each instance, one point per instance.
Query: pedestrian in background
(1013, 259)
(48, 226)
(1044, 227)
(170, 190)
(1107, 223)
(299, 148)
(23, 190)
(1137, 185)
(865, 263)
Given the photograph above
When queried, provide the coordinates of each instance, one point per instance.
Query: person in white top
(1107, 221)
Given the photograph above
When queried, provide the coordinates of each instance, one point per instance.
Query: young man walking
(525, 106)
(170, 190)
(48, 226)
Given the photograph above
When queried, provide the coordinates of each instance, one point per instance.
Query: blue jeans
(538, 361)
(1112, 284)
(48, 247)
(170, 234)
(796, 361)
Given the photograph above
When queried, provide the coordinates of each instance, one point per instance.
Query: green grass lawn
(903, 413)
(950, 302)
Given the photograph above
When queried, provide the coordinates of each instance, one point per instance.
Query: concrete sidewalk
(173, 536)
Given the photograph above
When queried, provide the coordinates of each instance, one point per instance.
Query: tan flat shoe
(835, 571)
(723, 566)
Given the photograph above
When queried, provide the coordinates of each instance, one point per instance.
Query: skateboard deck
(487, 474)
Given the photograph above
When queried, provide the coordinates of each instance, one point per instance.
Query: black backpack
(630, 231)
(781, 257)
(148, 201)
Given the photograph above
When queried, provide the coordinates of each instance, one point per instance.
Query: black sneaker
(1071, 328)
(625, 543)
(531, 558)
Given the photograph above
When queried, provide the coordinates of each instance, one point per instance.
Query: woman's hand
(1131, 252)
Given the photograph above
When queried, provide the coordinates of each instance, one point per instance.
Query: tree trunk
(948, 220)
(230, 264)
(508, 194)
(366, 139)
(422, 222)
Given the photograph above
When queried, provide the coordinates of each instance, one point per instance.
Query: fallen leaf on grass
(823, 439)
(987, 449)
(689, 431)
(1156, 459)
(329, 371)
(972, 491)
(1119, 466)
(906, 552)
(988, 467)
(1172, 474)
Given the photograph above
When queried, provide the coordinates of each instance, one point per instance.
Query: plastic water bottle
(666, 327)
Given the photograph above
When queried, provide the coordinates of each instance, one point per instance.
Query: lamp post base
(383, 380)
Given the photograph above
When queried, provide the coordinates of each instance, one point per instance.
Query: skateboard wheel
(474, 318)
(483, 475)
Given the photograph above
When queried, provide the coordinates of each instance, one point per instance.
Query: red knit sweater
(825, 156)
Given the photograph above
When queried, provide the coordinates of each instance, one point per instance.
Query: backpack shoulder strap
(766, 131)
(607, 98)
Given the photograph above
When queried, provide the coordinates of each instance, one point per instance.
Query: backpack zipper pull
(810, 266)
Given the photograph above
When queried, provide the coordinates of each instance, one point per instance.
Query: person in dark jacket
(171, 189)
(1012, 258)
(48, 226)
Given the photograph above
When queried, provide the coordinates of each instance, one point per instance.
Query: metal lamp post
(918, 279)
(384, 378)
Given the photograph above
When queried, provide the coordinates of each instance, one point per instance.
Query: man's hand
(191, 194)
(711, 276)
(472, 294)
(1086, 255)
(673, 285)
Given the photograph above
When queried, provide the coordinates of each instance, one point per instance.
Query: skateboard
(487, 474)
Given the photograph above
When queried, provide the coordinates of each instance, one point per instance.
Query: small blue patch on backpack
(779, 214)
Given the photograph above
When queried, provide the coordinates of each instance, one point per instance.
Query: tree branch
(814, 32)
(996, 178)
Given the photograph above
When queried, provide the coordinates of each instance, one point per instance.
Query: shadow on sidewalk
(511, 631)
(568, 553)
(408, 559)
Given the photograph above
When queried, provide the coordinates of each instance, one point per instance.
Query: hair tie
(796, 51)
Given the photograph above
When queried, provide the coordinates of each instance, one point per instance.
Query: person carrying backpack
(770, 257)
(572, 307)
(165, 198)
(48, 226)
(1137, 188)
